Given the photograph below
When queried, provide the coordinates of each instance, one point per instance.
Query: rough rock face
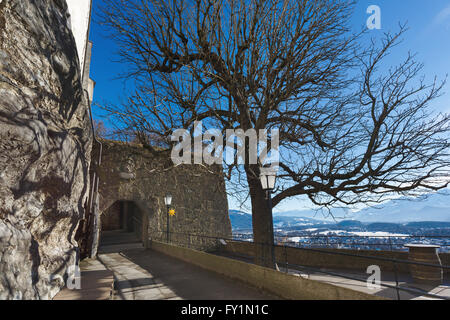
(44, 148)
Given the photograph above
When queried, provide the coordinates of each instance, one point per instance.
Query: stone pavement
(118, 240)
(148, 275)
(388, 278)
(96, 283)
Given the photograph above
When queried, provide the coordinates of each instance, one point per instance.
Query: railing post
(168, 226)
(395, 271)
(286, 258)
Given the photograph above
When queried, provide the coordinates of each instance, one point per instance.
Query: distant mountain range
(243, 221)
(429, 208)
(434, 207)
(240, 220)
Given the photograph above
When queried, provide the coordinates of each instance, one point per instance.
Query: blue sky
(428, 36)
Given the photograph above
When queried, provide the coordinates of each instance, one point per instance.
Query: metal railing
(213, 243)
(358, 242)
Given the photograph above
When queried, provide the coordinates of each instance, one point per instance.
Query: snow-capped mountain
(241, 220)
(433, 207)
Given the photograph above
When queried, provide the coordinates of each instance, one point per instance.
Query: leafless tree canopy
(100, 130)
(291, 65)
(351, 130)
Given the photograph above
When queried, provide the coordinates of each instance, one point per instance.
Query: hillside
(243, 221)
(432, 207)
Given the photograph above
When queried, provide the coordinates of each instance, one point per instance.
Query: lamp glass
(168, 199)
(263, 179)
(268, 178)
(271, 181)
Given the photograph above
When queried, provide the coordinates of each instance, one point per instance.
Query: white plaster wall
(79, 11)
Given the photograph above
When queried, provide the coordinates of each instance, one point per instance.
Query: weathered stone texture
(131, 173)
(44, 147)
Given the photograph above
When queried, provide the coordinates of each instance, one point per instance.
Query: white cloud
(442, 16)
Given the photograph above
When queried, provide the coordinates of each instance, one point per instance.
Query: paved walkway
(412, 291)
(149, 275)
(96, 283)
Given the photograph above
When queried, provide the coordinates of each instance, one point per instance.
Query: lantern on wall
(168, 199)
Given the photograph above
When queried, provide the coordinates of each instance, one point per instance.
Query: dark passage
(122, 224)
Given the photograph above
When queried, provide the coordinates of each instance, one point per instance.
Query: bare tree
(348, 132)
(100, 130)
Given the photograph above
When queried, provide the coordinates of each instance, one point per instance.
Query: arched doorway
(124, 224)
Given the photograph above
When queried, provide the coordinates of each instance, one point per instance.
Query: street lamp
(168, 199)
(268, 177)
(168, 202)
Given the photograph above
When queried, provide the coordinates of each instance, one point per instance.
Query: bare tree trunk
(262, 220)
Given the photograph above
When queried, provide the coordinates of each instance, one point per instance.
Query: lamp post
(268, 177)
(168, 202)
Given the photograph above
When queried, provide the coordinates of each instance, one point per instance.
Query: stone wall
(45, 141)
(131, 173)
(80, 14)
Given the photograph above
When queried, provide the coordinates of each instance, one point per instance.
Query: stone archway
(124, 223)
(131, 173)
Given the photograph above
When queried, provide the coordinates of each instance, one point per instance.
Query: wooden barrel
(425, 254)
